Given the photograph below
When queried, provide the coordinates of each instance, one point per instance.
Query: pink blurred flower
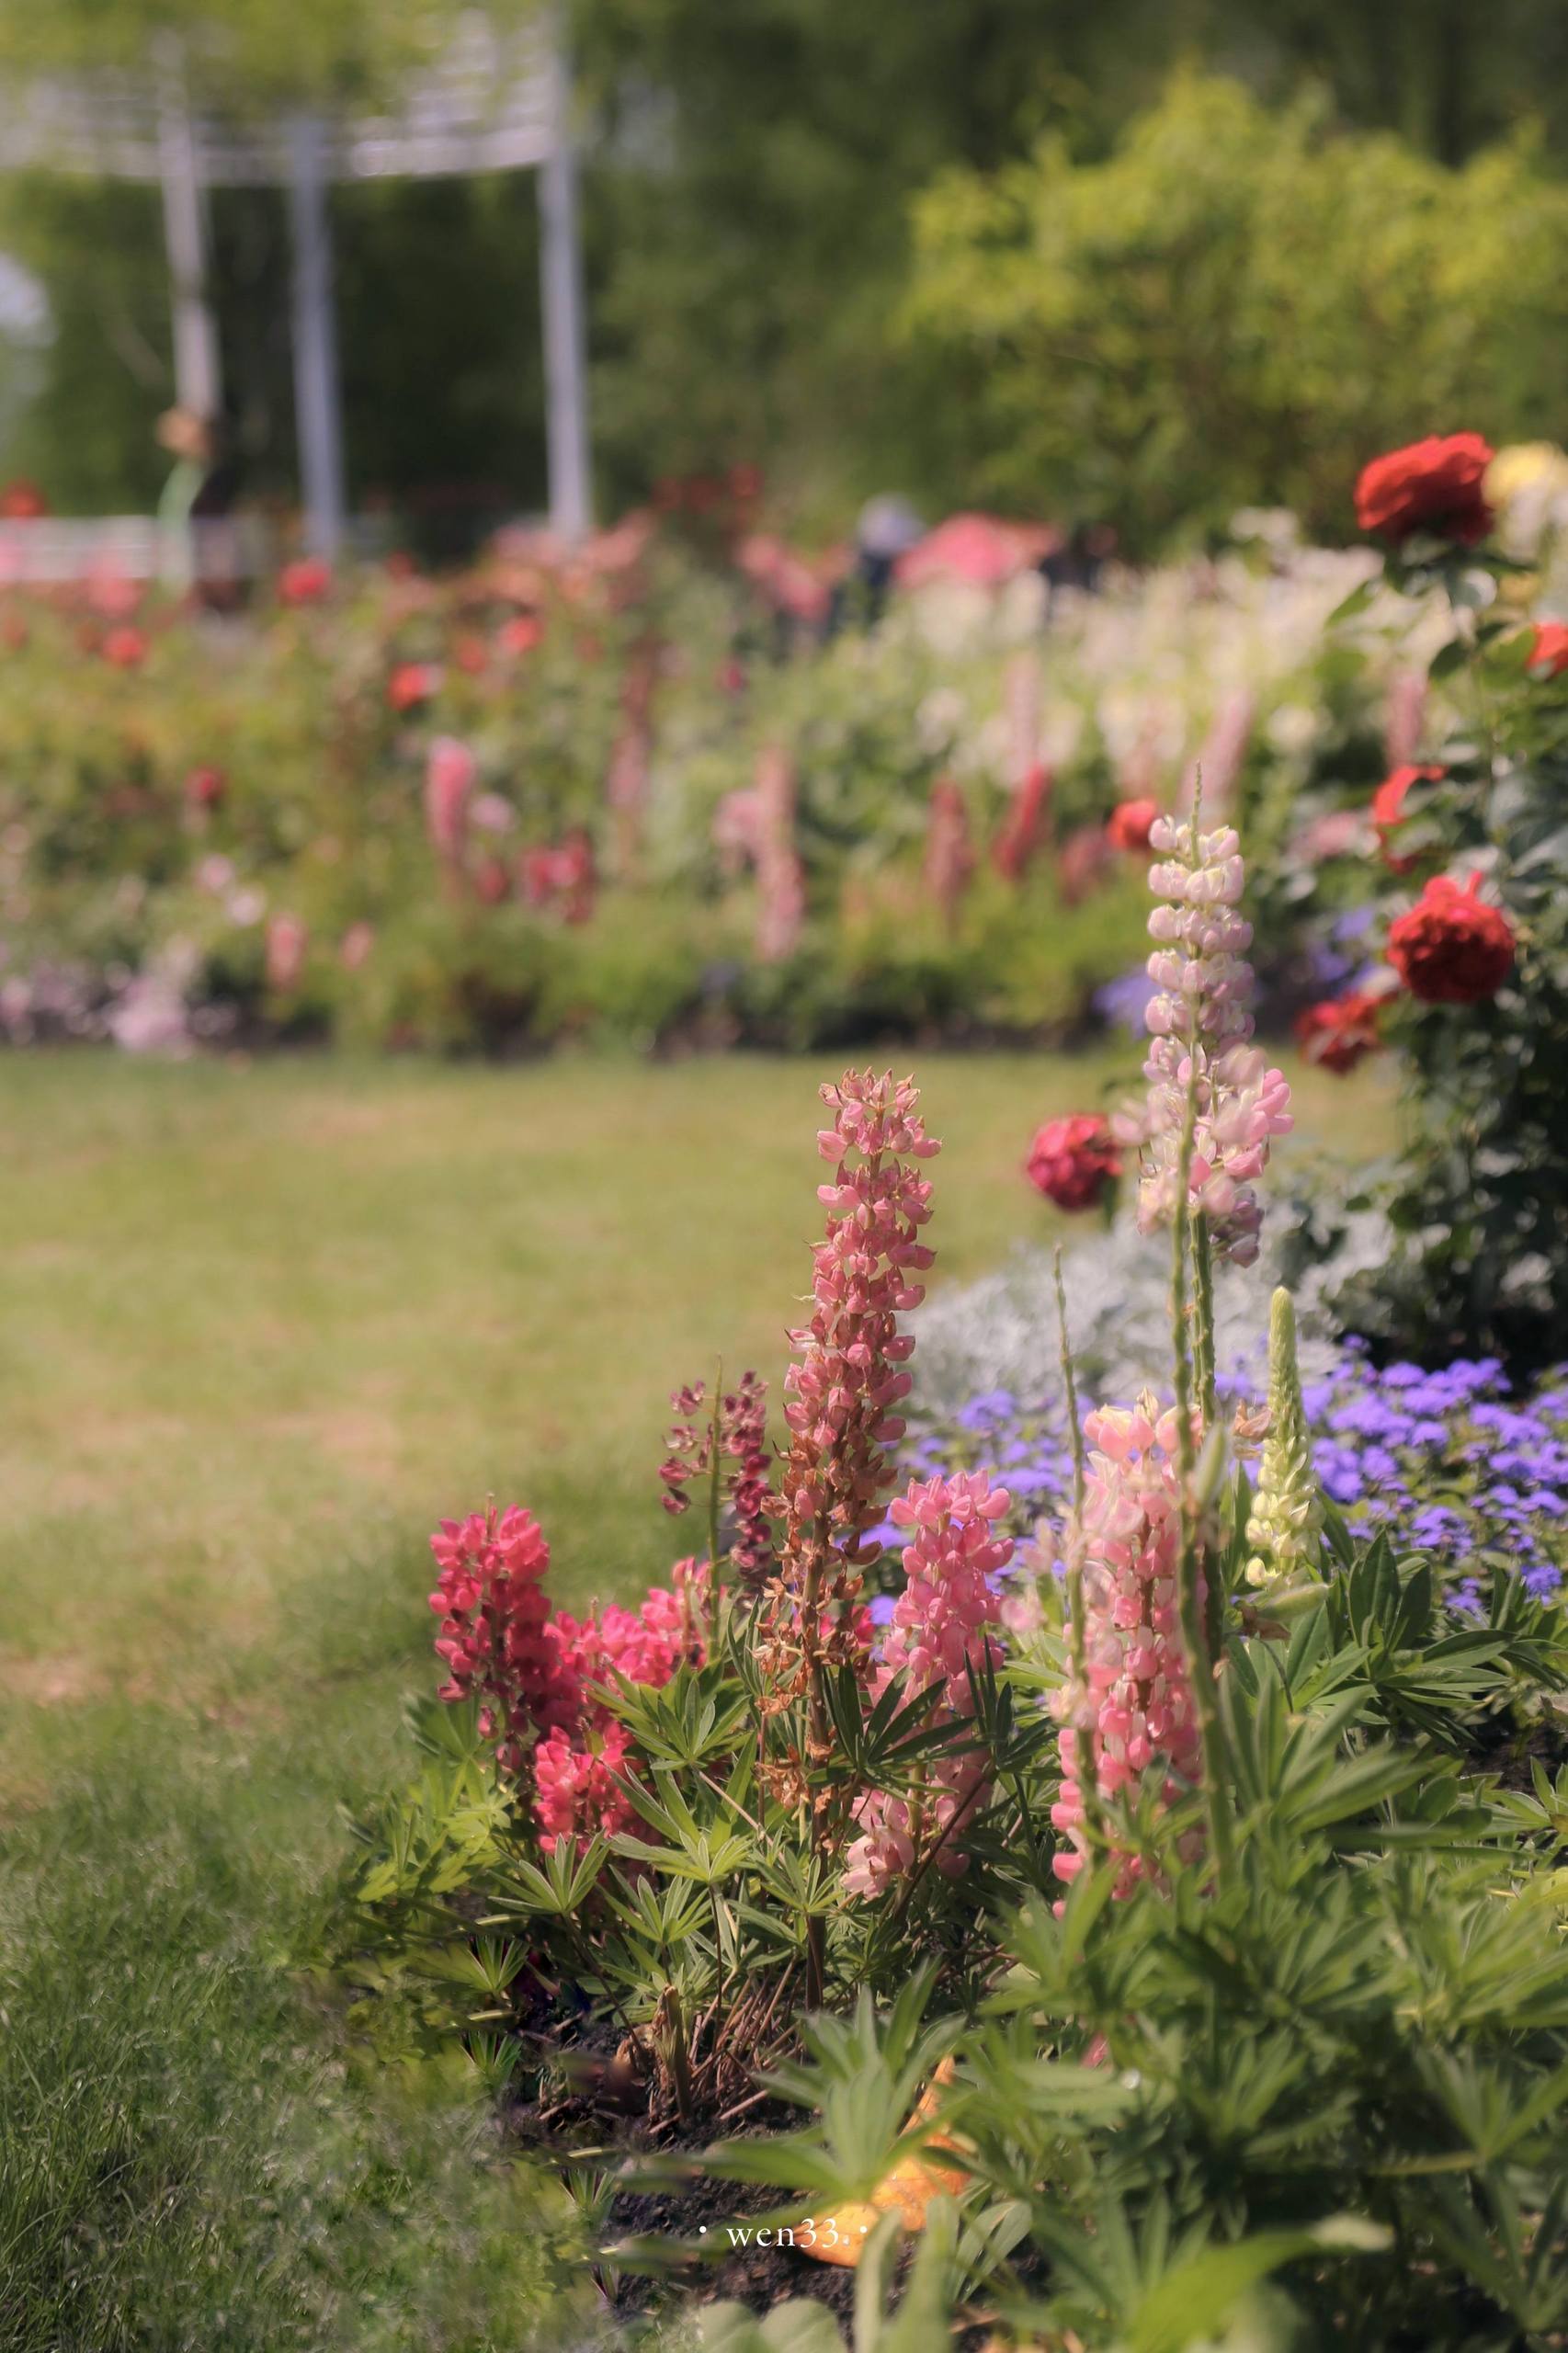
(780, 876)
(950, 854)
(451, 770)
(287, 941)
(1025, 827)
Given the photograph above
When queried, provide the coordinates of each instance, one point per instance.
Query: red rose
(411, 684)
(1431, 486)
(1451, 947)
(1130, 823)
(1549, 653)
(126, 648)
(1072, 1161)
(1337, 1033)
(306, 581)
(1388, 807)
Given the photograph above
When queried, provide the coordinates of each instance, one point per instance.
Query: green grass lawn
(262, 1327)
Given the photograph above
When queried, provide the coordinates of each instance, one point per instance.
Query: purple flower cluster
(1449, 1462)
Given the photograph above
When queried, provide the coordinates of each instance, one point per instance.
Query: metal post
(197, 383)
(318, 414)
(565, 346)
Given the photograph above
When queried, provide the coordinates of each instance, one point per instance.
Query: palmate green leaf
(1198, 2295)
(556, 1887)
(800, 2324)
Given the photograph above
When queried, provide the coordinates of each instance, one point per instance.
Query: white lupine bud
(1285, 1527)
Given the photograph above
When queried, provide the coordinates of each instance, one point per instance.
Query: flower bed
(639, 794)
(1125, 1939)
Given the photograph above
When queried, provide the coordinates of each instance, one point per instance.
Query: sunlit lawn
(261, 1327)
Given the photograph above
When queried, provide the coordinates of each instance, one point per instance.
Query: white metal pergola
(493, 104)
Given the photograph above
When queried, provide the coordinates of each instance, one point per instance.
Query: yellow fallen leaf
(907, 2191)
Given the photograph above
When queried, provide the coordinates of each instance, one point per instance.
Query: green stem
(1200, 1660)
(1206, 1355)
(1088, 1784)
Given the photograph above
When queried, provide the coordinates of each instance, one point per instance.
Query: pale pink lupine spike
(941, 1630)
(1203, 1010)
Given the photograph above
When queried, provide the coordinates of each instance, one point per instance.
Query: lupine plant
(1167, 1934)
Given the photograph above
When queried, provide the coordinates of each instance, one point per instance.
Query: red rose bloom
(1336, 1034)
(1549, 653)
(306, 581)
(1072, 1161)
(1432, 485)
(1388, 807)
(126, 648)
(1129, 823)
(411, 684)
(1451, 947)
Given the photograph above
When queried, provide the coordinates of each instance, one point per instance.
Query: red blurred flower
(1337, 1033)
(204, 788)
(1549, 653)
(126, 648)
(1072, 1161)
(471, 654)
(1431, 486)
(491, 881)
(520, 635)
(411, 684)
(1388, 807)
(1451, 947)
(22, 502)
(305, 581)
(1129, 823)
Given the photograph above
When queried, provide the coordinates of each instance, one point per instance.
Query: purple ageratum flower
(1124, 1002)
(1383, 1436)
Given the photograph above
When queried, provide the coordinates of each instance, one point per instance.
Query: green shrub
(1236, 306)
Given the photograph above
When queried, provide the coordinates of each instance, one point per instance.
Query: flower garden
(1044, 1827)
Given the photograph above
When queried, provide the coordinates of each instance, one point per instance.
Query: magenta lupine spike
(1204, 1006)
(742, 1441)
(1137, 1712)
(843, 1392)
(941, 1628)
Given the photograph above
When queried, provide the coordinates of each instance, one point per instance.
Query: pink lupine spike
(941, 1628)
